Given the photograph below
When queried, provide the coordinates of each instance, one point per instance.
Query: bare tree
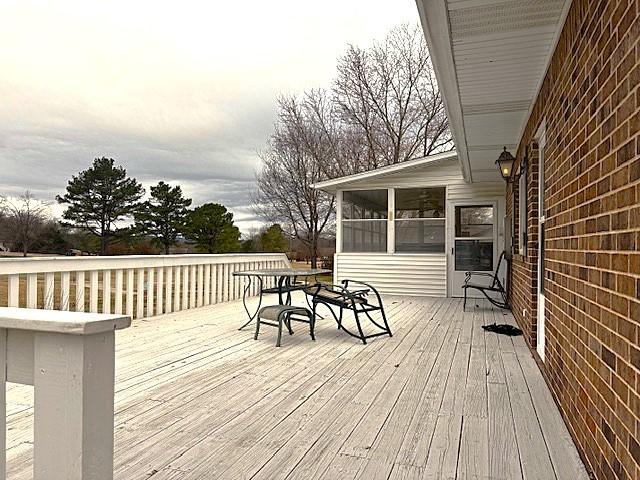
(388, 94)
(292, 162)
(26, 217)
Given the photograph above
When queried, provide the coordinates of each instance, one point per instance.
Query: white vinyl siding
(396, 274)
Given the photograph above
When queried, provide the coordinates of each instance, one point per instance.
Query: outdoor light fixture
(505, 164)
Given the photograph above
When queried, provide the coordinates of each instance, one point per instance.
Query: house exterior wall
(396, 274)
(417, 274)
(589, 102)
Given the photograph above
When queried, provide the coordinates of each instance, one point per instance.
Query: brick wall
(590, 103)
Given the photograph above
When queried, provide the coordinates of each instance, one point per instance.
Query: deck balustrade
(138, 286)
(68, 357)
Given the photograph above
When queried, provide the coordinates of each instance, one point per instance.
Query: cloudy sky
(176, 91)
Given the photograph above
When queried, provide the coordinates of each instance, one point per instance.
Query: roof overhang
(490, 58)
(335, 184)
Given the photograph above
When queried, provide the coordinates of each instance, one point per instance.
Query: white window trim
(338, 221)
(391, 218)
(522, 210)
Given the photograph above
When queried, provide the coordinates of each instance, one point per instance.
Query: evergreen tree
(272, 240)
(163, 215)
(210, 226)
(99, 197)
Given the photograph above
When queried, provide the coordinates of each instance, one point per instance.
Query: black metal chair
(495, 287)
(357, 300)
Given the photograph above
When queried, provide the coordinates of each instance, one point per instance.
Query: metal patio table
(285, 280)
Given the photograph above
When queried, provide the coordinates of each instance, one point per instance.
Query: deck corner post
(74, 406)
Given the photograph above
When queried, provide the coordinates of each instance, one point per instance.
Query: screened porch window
(364, 221)
(420, 220)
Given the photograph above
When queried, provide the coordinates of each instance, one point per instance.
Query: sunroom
(416, 227)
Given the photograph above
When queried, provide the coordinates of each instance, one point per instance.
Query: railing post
(71, 368)
(73, 419)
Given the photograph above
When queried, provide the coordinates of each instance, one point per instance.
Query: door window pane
(364, 236)
(364, 204)
(474, 221)
(474, 255)
(420, 203)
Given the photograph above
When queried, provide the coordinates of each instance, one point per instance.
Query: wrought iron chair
(494, 287)
(357, 300)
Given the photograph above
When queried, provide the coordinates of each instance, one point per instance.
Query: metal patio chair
(357, 300)
(495, 287)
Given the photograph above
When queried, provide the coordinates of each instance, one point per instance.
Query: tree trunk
(103, 245)
(166, 249)
(313, 249)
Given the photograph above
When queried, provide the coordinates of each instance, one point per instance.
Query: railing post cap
(55, 321)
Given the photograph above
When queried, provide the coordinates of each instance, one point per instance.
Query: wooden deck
(198, 399)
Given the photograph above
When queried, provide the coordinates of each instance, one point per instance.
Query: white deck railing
(139, 286)
(68, 357)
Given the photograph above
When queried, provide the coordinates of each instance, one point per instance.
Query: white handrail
(69, 359)
(138, 285)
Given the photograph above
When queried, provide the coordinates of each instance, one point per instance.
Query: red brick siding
(590, 102)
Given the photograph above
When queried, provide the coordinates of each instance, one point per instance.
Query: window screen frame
(345, 221)
(440, 221)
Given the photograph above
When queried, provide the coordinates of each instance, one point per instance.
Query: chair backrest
(496, 279)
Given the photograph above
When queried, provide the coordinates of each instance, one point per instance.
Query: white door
(473, 243)
(541, 273)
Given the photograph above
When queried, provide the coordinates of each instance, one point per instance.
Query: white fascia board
(332, 185)
(434, 16)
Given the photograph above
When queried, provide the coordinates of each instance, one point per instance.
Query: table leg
(280, 283)
(247, 288)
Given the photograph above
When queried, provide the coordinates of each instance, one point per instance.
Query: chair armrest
(365, 284)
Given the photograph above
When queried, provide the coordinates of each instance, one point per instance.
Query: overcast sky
(177, 91)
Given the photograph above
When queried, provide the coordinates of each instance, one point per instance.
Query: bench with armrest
(364, 299)
(493, 287)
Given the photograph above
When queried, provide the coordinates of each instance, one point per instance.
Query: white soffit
(490, 57)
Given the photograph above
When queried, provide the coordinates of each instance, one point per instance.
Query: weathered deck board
(442, 399)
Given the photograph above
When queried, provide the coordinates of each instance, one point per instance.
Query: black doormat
(503, 329)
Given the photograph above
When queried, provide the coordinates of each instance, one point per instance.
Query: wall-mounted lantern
(505, 164)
